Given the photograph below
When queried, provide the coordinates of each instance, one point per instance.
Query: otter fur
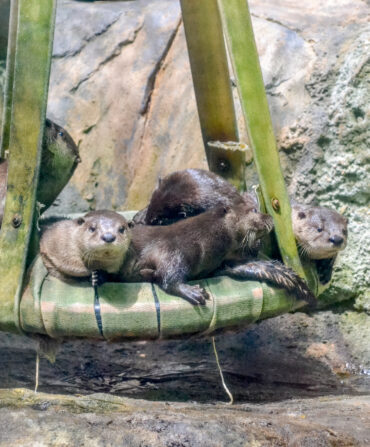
(220, 238)
(77, 247)
(321, 233)
(60, 157)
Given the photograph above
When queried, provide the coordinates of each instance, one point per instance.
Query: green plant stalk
(211, 79)
(31, 80)
(8, 91)
(245, 61)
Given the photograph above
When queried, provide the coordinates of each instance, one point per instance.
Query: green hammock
(132, 311)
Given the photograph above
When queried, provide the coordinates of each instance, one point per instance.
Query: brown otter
(321, 233)
(60, 157)
(75, 248)
(186, 193)
(195, 247)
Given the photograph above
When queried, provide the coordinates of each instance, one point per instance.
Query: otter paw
(197, 295)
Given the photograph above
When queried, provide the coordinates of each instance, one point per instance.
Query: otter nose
(108, 237)
(336, 240)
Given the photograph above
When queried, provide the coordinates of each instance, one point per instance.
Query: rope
(213, 322)
(228, 392)
(157, 309)
(97, 310)
(37, 372)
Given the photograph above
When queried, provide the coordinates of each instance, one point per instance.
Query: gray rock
(27, 419)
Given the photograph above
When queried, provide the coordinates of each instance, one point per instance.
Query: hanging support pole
(247, 70)
(8, 91)
(212, 86)
(30, 88)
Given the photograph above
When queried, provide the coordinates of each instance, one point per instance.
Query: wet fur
(184, 194)
(193, 248)
(193, 191)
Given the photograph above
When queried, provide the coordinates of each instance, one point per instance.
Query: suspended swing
(34, 302)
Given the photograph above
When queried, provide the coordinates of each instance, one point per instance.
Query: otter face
(320, 232)
(251, 225)
(104, 241)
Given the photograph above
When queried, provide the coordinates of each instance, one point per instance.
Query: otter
(320, 232)
(220, 240)
(60, 157)
(184, 194)
(74, 248)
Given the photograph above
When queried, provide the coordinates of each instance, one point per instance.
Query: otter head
(320, 232)
(250, 225)
(103, 240)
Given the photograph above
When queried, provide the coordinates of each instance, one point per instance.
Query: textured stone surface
(28, 420)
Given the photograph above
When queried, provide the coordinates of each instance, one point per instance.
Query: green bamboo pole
(211, 79)
(31, 79)
(244, 57)
(8, 91)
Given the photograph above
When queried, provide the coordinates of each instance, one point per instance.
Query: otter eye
(345, 232)
(254, 210)
(301, 215)
(319, 230)
(61, 134)
(92, 229)
(121, 229)
(80, 221)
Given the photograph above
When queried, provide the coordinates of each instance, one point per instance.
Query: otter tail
(275, 273)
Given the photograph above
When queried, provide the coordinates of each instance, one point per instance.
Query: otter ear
(301, 215)
(80, 221)
(131, 224)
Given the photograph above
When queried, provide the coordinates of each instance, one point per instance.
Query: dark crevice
(277, 22)
(113, 55)
(153, 75)
(86, 41)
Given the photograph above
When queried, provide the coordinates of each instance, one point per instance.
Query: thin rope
(228, 392)
(37, 371)
(97, 310)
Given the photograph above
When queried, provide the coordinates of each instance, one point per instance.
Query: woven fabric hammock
(132, 311)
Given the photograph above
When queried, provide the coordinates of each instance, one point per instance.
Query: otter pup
(195, 247)
(60, 157)
(320, 232)
(186, 193)
(75, 248)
